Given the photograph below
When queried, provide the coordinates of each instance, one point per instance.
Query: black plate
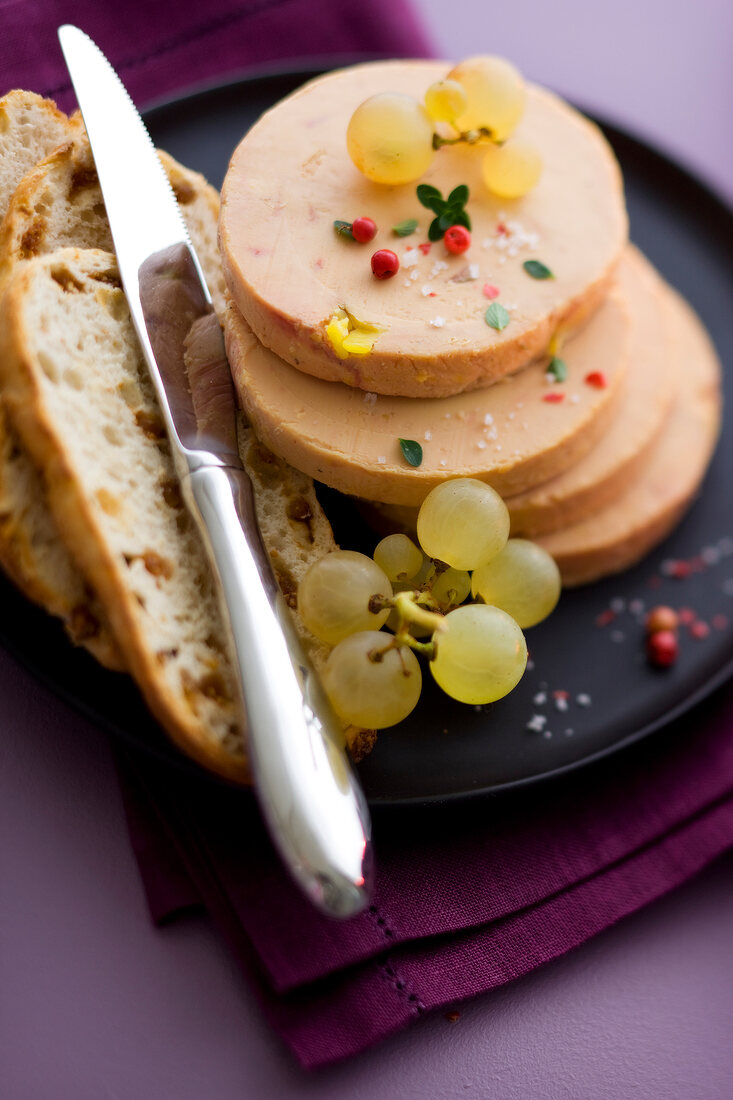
(613, 697)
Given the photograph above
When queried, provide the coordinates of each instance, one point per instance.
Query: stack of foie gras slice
(597, 465)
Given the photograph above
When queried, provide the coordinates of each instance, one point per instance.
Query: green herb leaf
(459, 195)
(462, 218)
(429, 196)
(558, 369)
(405, 228)
(496, 316)
(411, 451)
(344, 229)
(435, 233)
(537, 270)
(445, 220)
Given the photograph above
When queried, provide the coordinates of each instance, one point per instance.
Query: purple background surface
(96, 1003)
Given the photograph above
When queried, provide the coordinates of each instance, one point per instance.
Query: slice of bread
(81, 400)
(31, 552)
(58, 203)
(30, 127)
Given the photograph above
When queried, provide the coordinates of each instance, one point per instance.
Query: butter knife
(308, 793)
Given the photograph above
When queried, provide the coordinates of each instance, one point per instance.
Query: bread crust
(58, 203)
(26, 369)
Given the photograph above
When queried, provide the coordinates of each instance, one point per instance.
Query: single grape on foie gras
(390, 138)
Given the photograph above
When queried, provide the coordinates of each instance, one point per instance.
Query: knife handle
(313, 804)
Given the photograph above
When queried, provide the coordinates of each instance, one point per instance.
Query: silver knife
(309, 796)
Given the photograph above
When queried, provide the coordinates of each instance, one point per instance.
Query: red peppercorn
(363, 230)
(596, 378)
(457, 239)
(662, 648)
(661, 618)
(385, 263)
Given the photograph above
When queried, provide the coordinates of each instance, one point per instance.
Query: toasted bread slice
(81, 400)
(31, 552)
(58, 203)
(31, 127)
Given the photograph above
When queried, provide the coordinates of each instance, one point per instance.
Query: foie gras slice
(623, 532)
(621, 452)
(515, 434)
(291, 178)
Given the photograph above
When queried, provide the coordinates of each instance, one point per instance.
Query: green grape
(463, 522)
(333, 596)
(481, 655)
(445, 100)
(451, 587)
(522, 580)
(390, 138)
(495, 91)
(398, 556)
(511, 170)
(369, 686)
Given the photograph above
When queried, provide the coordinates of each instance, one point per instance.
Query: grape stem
(403, 637)
(467, 137)
(410, 608)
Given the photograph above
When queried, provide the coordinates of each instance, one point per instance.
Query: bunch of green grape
(391, 136)
(379, 612)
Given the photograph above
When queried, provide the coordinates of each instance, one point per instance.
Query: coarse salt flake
(437, 322)
(537, 722)
(426, 291)
(381, 459)
(583, 700)
(411, 257)
(428, 436)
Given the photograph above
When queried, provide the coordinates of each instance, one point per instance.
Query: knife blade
(308, 793)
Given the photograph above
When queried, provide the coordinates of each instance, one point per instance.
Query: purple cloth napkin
(160, 47)
(466, 899)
